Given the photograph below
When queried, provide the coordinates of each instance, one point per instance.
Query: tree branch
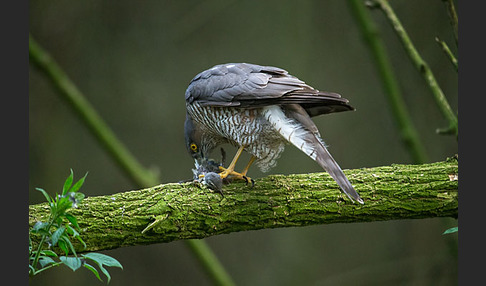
(173, 211)
(395, 99)
(448, 53)
(105, 136)
(419, 63)
(451, 10)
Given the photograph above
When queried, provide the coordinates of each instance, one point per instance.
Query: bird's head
(193, 140)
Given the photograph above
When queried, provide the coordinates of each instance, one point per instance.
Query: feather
(311, 144)
(254, 86)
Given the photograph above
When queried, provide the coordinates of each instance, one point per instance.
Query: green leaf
(451, 230)
(48, 253)
(43, 231)
(102, 259)
(56, 235)
(65, 239)
(92, 269)
(79, 197)
(45, 260)
(76, 235)
(81, 241)
(107, 274)
(72, 262)
(48, 198)
(67, 184)
(79, 184)
(62, 204)
(40, 226)
(57, 222)
(72, 219)
(63, 245)
(70, 230)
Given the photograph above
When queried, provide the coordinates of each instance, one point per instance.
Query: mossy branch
(173, 211)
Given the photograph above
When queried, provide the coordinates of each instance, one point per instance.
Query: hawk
(259, 109)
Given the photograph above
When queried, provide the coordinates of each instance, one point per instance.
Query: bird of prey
(259, 109)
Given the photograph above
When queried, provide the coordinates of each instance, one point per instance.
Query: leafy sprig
(451, 230)
(60, 228)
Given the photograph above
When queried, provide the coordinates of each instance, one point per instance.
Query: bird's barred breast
(241, 127)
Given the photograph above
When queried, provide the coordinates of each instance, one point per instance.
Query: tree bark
(174, 211)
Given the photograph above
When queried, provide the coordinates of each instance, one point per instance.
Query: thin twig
(451, 10)
(390, 84)
(420, 64)
(214, 267)
(448, 53)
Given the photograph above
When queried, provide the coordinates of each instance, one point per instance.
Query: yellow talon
(230, 171)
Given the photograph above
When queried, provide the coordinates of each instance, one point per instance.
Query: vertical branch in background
(141, 176)
(451, 10)
(89, 116)
(390, 84)
(420, 64)
(448, 53)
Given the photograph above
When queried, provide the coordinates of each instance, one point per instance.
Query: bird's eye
(193, 147)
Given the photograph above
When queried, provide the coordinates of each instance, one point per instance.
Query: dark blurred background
(133, 62)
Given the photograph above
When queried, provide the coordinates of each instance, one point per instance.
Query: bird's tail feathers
(326, 161)
(311, 144)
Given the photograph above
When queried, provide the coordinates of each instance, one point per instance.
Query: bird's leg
(252, 159)
(243, 173)
(230, 171)
(231, 168)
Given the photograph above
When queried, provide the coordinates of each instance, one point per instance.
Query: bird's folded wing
(253, 86)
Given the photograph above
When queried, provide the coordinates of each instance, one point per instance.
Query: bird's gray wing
(250, 86)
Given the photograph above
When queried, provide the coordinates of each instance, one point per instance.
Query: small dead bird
(207, 173)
